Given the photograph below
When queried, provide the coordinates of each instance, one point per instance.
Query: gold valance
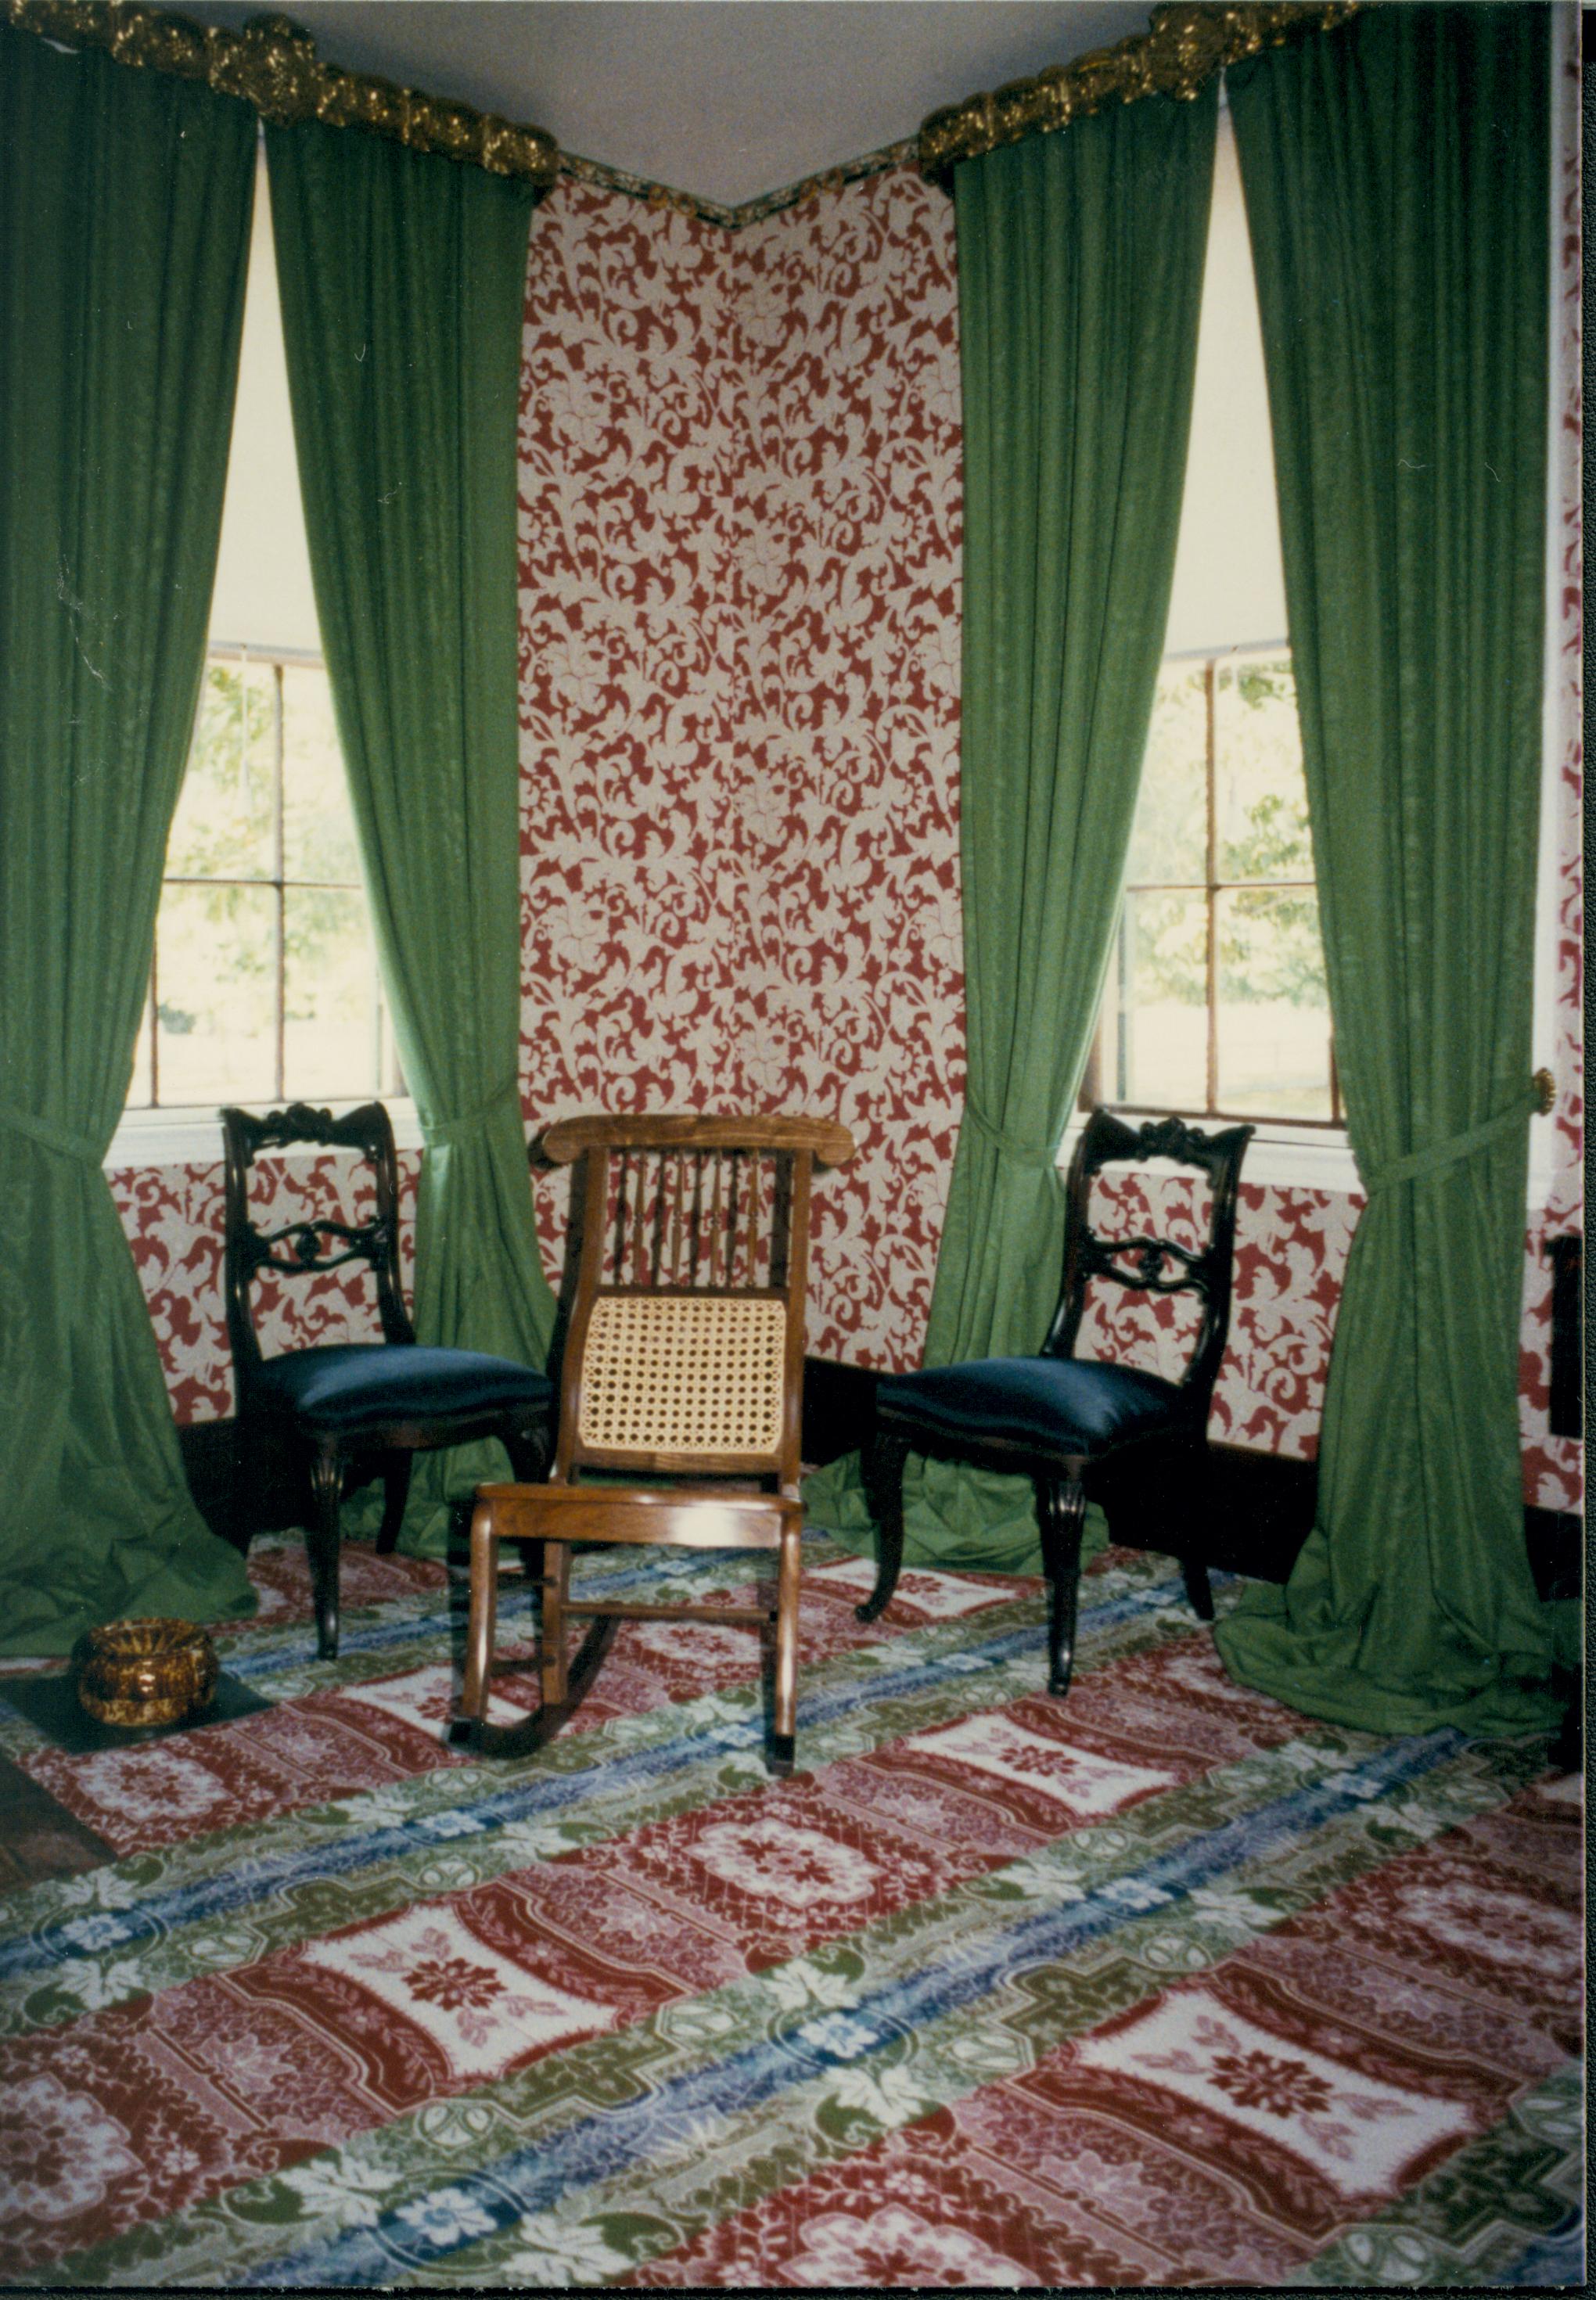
(1185, 44)
(273, 64)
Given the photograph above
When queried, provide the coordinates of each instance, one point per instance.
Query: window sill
(193, 1138)
(1279, 1157)
(1289, 1158)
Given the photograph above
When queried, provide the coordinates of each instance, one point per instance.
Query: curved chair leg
(885, 1456)
(784, 1708)
(395, 1492)
(322, 1543)
(1060, 1516)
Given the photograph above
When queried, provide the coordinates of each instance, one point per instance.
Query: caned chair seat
(1135, 1441)
(680, 1346)
(351, 1409)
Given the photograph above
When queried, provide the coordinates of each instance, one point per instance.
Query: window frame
(1331, 1133)
(1315, 1153)
(172, 1134)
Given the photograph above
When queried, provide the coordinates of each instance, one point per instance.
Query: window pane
(318, 828)
(1274, 1013)
(224, 822)
(1157, 1011)
(1169, 837)
(330, 1036)
(1259, 792)
(216, 975)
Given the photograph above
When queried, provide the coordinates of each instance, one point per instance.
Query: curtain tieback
(439, 1133)
(59, 1138)
(1419, 1165)
(1037, 1154)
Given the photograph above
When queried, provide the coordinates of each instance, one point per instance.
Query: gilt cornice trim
(600, 173)
(1186, 43)
(273, 64)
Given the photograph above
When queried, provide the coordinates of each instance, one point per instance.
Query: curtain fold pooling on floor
(124, 222)
(1080, 263)
(1397, 191)
(402, 277)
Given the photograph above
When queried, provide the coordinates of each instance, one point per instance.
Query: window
(264, 984)
(1217, 1002)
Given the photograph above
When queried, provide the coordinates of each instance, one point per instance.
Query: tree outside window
(1217, 1002)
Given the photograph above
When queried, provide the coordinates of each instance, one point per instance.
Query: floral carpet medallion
(1161, 1984)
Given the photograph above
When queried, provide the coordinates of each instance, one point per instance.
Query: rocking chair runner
(1078, 1428)
(681, 1354)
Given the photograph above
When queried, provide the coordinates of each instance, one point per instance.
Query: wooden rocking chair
(680, 1356)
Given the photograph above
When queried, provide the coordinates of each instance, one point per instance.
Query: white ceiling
(727, 98)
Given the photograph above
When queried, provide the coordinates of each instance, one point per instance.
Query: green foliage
(217, 941)
(1269, 947)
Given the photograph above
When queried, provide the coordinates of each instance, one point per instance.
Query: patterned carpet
(1164, 1983)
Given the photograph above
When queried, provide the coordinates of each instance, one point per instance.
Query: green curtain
(124, 218)
(1396, 191)
(402, 277)
(1080, 266)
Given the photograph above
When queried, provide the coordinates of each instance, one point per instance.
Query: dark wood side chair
(682, 1357)
(1129, 1439)
(352, 1408)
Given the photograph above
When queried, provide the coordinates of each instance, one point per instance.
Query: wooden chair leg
(784, 1708)
(1194, 1467)
(1194, 1573)
(322, 1543)
(883, 1463)
(557, 1589)
(481, 1621)
(396, 1493)
(1060, 1517)
(528, 1450)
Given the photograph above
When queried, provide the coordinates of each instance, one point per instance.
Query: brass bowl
(146, 1672)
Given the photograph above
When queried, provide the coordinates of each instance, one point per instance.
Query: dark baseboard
(1263, 1511)
(239, 1493)
(1555, 1539)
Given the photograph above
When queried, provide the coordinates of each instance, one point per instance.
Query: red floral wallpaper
(173, 1218)
(740, 527)
(739, 485)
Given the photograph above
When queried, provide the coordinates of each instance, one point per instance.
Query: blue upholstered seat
(1063, 1404)
(346, 1383)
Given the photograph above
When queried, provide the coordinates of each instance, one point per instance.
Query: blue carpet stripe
(1557, 2258)
(380, 1636)
(62, 1938)
(535, 2178)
